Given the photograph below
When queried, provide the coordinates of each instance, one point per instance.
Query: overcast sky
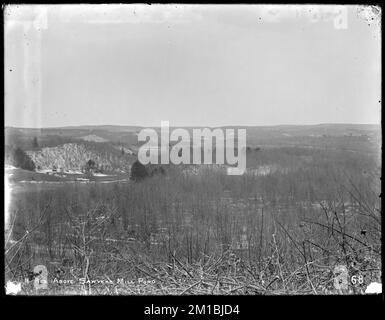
(191, 65)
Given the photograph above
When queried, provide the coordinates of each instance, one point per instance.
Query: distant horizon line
(191, 126)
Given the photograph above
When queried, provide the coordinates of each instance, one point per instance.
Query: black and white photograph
(192, 150)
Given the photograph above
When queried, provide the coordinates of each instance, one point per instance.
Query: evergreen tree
(138, 171)
(35, 144)
(90, 166)
(22, 160)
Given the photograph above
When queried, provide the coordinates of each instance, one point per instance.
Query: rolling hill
(74, 156)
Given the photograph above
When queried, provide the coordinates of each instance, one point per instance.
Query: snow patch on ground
(44, 171)
(50, 171)
(97, 174)
(94, 138)
(7, 201)
(74, 172)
